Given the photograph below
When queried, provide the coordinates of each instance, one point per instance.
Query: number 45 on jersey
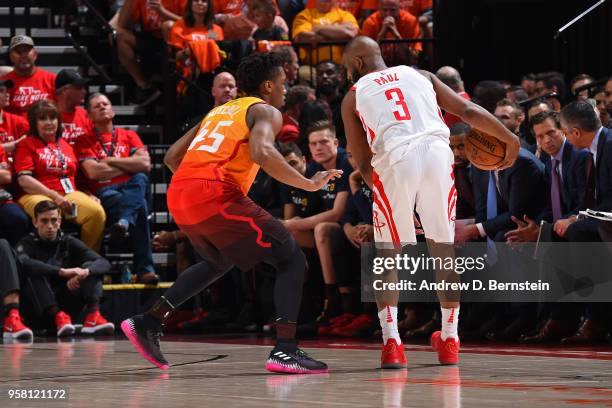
(209, 142)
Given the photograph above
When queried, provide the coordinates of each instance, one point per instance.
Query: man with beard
(329, 83)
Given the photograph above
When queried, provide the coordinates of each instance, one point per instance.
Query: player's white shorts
(422, 178)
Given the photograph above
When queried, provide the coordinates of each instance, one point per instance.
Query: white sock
(388, 323)
(450, 320)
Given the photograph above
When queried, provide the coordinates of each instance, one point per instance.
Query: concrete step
(39, 17)
(41, 36)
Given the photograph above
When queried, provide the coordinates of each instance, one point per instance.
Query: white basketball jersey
(397, 106)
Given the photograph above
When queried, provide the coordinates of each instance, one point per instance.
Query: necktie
(589, 193)
(491, 213)
(555, 195)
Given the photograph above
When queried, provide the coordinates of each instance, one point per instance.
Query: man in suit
(565, 183)
(582, 126)
(462, 170)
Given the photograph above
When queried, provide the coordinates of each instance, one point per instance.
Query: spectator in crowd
(294, 200)
(325, 22)
(70, 93)
(290, 62)
(13, 128)
(488, 93)
(116, 163)
(190, 35)
(14, 223)
(552, 82)
(224, 88)
(10, 288)
(451, 77)
(512, 116)
(608, 94)
(578, 82)
(390, 22)
(518, 94)
(296, 97)
(528, 83)
(241, 25)
(30, 83)
(604, 113)
(224, 9)
(311, 113)
(583, 128)
(329, 83)
(331, 199)
(338, 245)
(263, 13)
(463, 171)
(144, 48)
(46, 165)
(62, 273)
(538, 106)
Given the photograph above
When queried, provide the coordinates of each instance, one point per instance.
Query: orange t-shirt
(220, 150)
(414, 7)
(232, 7)
(352, 6)
(407, 25)
(150, 19)
(181, 34)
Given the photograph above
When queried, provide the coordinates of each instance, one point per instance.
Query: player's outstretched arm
(265, 122)
(177, 151)
(477, 117)
(356, 137)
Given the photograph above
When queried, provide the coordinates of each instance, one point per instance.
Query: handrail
(84, 54)
(578, 18)
(384, 41)
(108, 28)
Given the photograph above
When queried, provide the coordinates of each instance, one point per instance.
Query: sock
(332, 296)
(10, 306)
(388, 323)
(285, 334)
(161, 310)
(450, 320)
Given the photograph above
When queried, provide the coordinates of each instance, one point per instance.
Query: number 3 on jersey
(396, 95)
(203, 138)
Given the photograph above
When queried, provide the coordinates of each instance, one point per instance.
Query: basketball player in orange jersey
(214, 166)
(401, 145)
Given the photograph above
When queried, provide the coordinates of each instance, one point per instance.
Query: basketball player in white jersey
(401, 145)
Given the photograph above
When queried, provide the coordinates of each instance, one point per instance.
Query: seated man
(333, 196)
(14, 222)
(390, 22)
(13, 128)
(116, 164)
(61, 272)
(294, 200)
(70, 94)
(325, 22)
(13, 327)
(463, 171)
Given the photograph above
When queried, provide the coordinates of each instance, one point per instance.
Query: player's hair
(540, 102)
(257, 68)
(582, 115)
(321, 125)
(336, 66)
(460, 128)
(528, 77)
(44, 206)
(297, 95)
(43, 109)
(287, 148)
(515, 106)
(209, 17)
(542, 116)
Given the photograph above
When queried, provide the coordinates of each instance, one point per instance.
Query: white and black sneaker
(144, 336)
(292, 360)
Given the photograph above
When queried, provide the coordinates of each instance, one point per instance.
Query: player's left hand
(321, 178)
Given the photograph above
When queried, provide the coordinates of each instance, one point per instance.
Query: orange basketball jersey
(220, 149)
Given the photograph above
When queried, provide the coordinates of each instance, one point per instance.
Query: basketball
(484, 151)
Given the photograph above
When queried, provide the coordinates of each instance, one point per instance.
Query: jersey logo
(378, 225)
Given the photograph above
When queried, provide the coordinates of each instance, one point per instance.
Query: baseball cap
(19, 40)
(7, 83)
(69, 77)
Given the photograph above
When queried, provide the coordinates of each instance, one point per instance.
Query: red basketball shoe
(393, 356)
(448, 350)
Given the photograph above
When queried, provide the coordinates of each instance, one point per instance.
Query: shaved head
(451, 77)
(361, 56)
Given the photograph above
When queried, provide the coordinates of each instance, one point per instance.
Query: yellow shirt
(309, 18)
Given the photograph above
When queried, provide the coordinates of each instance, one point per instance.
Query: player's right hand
(512, 151)
(321, 178)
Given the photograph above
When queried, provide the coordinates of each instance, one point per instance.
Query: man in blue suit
(583, 128)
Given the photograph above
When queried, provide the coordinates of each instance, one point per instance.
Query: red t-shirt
(75, 125)
(27, 90)
(97, 146)
(44, 161)
(149, 19)
(290, 131)
(12, 127)
(451, 119)
(4, 164)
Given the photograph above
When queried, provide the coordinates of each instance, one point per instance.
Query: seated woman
(45, 165)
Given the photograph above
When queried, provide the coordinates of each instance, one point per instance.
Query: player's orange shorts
(223, 225)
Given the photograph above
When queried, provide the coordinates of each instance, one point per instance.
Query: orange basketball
(484, 151)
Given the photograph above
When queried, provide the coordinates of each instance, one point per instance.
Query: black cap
(69, 77)
(7, 83)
